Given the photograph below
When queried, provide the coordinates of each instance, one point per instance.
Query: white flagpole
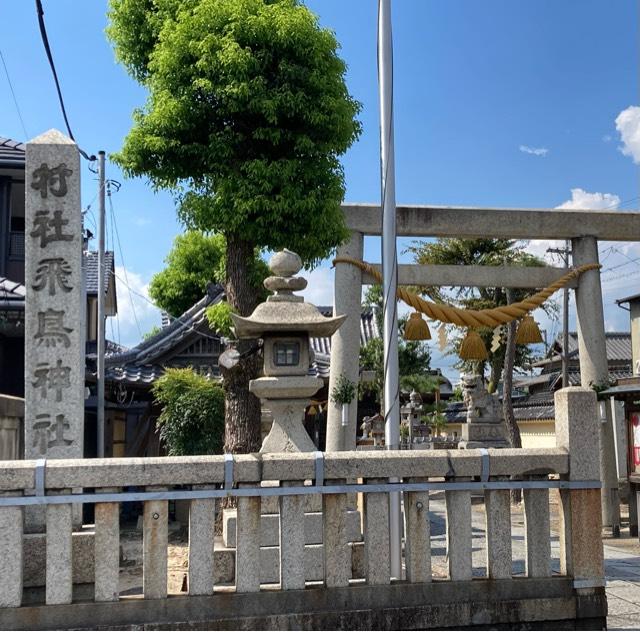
(389, 270)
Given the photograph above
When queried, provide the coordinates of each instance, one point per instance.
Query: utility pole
(101, 306)
(389, 271)
(564, 253)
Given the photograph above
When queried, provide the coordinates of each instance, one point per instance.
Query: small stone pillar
(594, 370)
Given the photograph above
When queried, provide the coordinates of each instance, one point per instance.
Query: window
(286, 353)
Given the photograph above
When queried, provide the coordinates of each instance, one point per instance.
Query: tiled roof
(12, 153)
(618, 346)
(133, 374)
(368, 330)
(11, 292)
(91, 270)
(149, 350)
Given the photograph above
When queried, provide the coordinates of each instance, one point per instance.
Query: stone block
(248, 545)
(59, 566)
(578, 431)
(497, 505)
(581, 552)
(11, 527)
(537, 532)
(34, 555)
(201, 543)
(533, 461)
(336, 558)
(312, 502)
(390, 463)
(418, 537)
(483, 434)
(107, 551)
(459, 540)
(154, 546)
(224, 563)
(376, 538)
(270, 528)
(292, 523)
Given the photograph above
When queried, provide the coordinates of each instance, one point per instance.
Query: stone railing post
(581, 553)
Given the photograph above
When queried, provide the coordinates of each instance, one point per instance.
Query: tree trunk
(242, 409)
(497, 366)
(507, 387)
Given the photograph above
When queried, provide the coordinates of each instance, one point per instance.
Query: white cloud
(583, 200)
(136, 314)
(142, 221)
(580, 200)
(628, 126)
(607, 138)
(535, 151)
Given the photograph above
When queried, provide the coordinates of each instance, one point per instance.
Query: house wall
(11, 427)
(635, 336)
(534, 433)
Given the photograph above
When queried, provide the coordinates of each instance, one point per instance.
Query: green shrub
(192, 418)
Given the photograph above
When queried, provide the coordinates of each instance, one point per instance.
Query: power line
(47, 48)
(15, 100)
(124, 267)
(145, 298)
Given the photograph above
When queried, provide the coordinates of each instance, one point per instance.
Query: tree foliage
(247, 115)
(246, 118)
(195, 260)
(414, 357)
(192, 418)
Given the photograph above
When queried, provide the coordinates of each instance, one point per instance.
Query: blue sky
(497, 103)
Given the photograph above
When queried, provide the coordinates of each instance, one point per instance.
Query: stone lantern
(285, 323)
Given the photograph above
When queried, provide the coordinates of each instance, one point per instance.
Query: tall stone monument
(54, 312)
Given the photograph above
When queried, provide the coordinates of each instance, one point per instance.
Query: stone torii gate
(583, 228)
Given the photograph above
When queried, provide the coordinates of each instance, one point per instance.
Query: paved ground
(622, 568)
(622, 560)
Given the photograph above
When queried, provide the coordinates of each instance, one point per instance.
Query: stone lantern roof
(284, 312)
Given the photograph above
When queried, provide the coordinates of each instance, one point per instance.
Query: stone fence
(338, 599)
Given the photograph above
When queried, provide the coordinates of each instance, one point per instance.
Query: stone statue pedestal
(479, 434)
(286, 398)
(485, 427)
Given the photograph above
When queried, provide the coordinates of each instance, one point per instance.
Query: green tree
(192, 418)
(247, 116)
(155, 330)
(414, 357)
(195, 260)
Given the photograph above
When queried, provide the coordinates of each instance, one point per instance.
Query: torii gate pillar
(594, 369)
(345, 344)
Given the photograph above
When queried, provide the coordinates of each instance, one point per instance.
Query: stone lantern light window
(286, 353)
